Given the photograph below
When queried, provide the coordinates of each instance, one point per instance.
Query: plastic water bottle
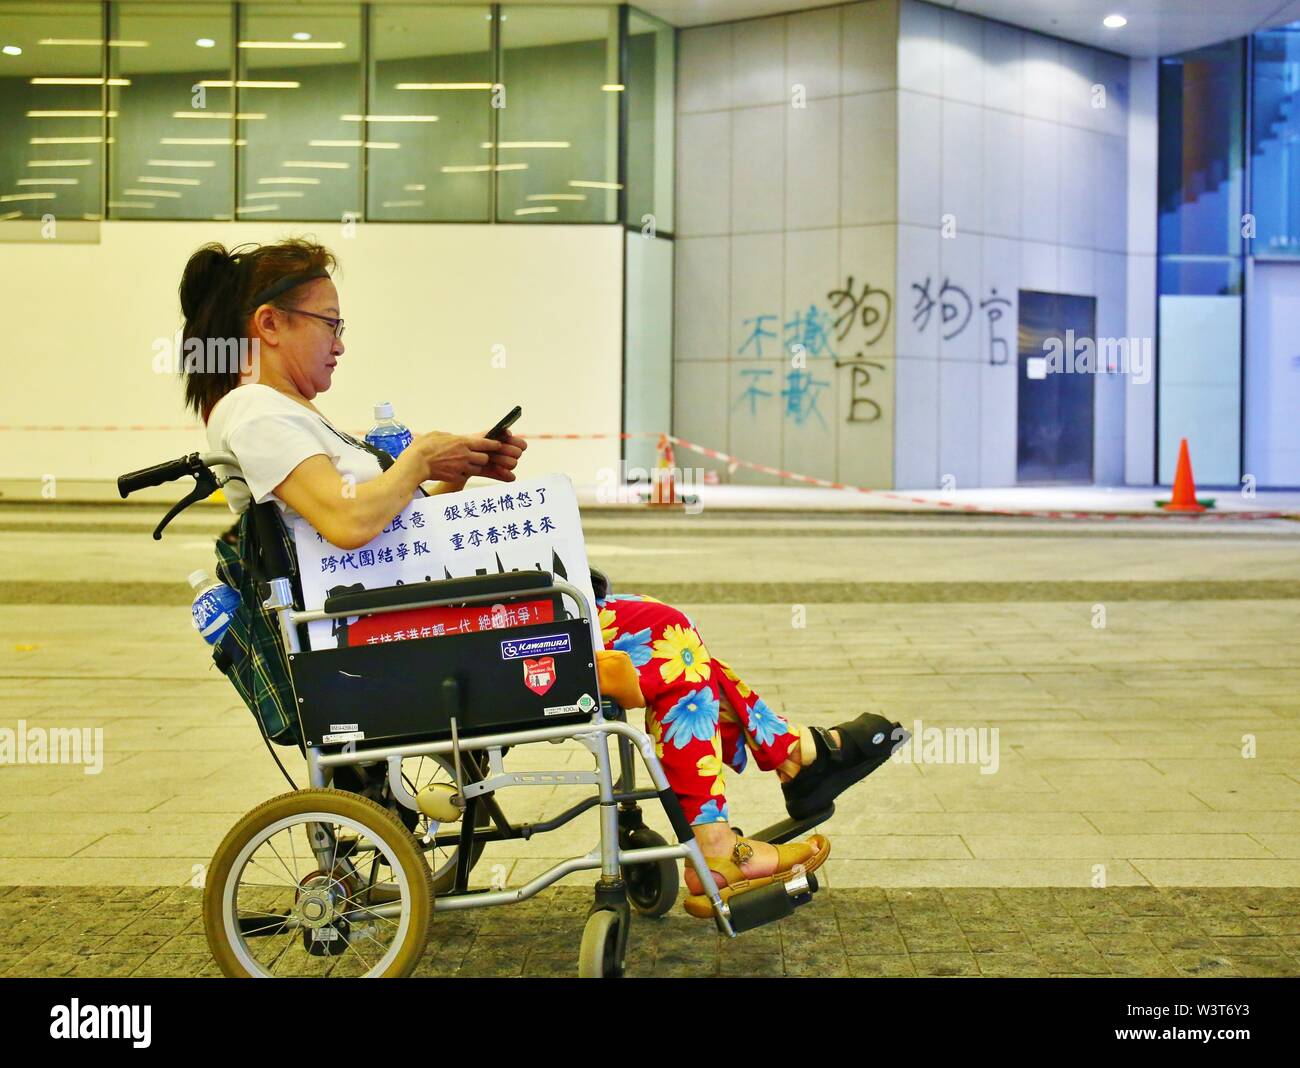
(214, 606)
(388, 434)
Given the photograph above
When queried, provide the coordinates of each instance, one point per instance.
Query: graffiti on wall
(956, 310)
(854, 318)
(843, 331)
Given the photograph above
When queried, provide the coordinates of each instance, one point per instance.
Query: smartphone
(498, 431)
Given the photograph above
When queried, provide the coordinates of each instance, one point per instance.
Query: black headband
(291, 281)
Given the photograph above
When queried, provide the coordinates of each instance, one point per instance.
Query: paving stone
(169, 966)
(550, 966)
(1249, 946)
(1264, 967)
(1225, 926)
(873, 965)
(945, 964)
(1009, 964)
(108, 965)
(1110, 923)
(751, 962)
(936, 942)
(990, 924)
(1143, 964)
(997, 942)
(42, 963)
(1126, 944)
(1192, 962)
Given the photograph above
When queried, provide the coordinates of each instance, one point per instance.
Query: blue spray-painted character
(752, 392)
(810, 329)
(757, 334)
(801, 396)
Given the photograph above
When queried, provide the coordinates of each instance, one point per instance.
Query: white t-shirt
(270, 435)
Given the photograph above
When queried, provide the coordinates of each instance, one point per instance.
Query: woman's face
(305, 347)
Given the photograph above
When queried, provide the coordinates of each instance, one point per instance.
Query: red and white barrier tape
(735, 461)
(954, 506)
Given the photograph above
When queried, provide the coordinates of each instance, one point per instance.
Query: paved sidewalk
(1142, 679)
(136, 931)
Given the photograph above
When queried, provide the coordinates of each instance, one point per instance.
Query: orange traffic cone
(663, 487)
(1184, 495)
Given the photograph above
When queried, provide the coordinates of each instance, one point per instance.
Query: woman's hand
(453, 457)
(502, 464)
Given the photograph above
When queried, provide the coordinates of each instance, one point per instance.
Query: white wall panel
(812, 165)
(757, 181)
(423, 336)
(702, 297)
(704, 173)
(758, 63)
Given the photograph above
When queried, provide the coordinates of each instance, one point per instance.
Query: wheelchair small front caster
(599, 956)
(652, 886)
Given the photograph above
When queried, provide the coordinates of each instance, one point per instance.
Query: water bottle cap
(198, 578)
(384, 410)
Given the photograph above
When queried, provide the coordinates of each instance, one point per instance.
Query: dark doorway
(1054, 404)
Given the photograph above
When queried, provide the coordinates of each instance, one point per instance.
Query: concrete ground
(1142, 677)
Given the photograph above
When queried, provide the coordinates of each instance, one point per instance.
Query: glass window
(1275, 142)
(52, 110)
(1200, 180)
(647, 344)
(1202, 275)
(650, 79)
(430, 89)
(1201, 203)
(557, 148)
(172, 155)
(299, 116)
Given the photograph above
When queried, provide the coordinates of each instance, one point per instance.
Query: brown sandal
(790, 856)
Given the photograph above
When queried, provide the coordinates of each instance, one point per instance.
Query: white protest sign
(507, 526)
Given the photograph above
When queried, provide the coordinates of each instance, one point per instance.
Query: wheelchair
(405, 743)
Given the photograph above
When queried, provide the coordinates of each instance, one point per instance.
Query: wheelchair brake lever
(459, 799)
(205, 485)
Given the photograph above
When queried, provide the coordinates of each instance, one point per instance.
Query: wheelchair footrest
(776, 901)
(789, 829)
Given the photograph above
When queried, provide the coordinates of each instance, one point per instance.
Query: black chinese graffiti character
(875, 306)
(994, 308)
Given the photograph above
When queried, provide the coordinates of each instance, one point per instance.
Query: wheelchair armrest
(508, 583)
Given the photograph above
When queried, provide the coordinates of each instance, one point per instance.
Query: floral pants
(687, 693)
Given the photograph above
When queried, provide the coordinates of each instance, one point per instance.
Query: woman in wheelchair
(703, 718)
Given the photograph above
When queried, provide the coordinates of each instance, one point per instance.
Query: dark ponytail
(221, 288)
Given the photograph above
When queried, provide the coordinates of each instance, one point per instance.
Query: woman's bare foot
(718, 840)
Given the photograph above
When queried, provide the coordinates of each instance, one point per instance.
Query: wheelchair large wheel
(651, 887)
(598, 957)
(291, 892)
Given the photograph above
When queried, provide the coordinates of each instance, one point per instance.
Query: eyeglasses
(335, 324)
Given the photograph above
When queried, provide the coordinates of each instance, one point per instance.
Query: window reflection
(650, 102)
(1275, 142)
(52, 110)
(172, 155)
(299, 118)
(219, 110)
(431, 78)
(557, 154)
(1201, 165)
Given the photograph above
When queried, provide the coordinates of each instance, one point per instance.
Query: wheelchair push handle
(169, 471)
(197, 465)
